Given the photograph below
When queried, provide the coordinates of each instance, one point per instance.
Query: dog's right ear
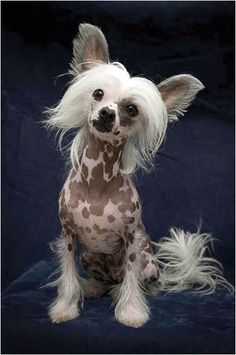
(89, 46)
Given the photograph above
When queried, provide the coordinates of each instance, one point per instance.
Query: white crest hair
(73, 110)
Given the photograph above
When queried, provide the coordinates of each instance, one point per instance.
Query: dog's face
(111, 115)
(120, 106)
(105, 99)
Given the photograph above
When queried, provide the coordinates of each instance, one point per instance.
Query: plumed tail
(185, 262)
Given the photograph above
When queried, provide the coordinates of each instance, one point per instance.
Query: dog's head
(105, 99)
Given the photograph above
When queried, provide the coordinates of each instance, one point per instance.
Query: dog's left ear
(89, 46)
(178, 92)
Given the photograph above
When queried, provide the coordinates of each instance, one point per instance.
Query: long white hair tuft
(185, 262)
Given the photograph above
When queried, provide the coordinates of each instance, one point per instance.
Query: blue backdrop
(194, 175)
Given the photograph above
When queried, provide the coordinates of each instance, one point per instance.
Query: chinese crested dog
(120, 123)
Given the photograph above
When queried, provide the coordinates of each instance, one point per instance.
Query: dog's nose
(107, 115)
(106, 120)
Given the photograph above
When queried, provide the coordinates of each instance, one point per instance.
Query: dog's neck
(101, 158)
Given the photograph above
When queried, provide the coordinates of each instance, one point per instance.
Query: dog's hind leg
(69, 292)
(131, 306)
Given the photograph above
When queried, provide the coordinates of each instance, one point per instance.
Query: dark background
(194, 175)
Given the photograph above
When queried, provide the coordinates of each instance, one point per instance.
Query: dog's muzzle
(106, 120)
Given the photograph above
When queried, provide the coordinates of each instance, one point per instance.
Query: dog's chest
(101, 213)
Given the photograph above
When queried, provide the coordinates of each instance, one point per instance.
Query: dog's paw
(132, 318)
(59, 313)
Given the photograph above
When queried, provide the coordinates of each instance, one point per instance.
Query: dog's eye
(131, 110)
(98, 94)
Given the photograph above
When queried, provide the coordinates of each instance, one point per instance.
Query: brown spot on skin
(93, 150)
(69, 247)
(125, 119)
(66, 217)
(88, 230)
(127, 220)
(95, 210)
(132, 207)
(99, 230)
(132, 257)
(92, 153)
(76, 194)
(109, 148)
(110, 161)
(130, 220)
(85, 212)
(111, 219)
(130, 237)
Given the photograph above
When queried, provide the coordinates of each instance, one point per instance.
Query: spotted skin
(100, 207)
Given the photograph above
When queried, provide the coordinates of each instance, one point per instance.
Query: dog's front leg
(69, 292)
(131, 308)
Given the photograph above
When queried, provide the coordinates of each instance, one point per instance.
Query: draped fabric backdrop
(193, 181)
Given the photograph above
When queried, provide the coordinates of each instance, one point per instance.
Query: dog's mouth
(104, 127)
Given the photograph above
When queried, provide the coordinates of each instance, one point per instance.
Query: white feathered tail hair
(184, 264)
